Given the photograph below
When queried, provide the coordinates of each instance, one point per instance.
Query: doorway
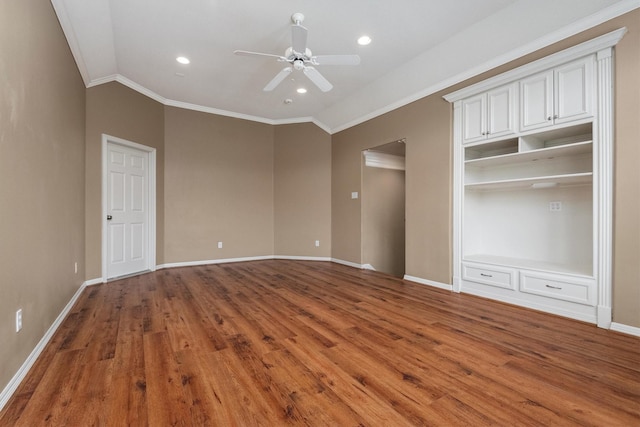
(128, 207)
(383, 208)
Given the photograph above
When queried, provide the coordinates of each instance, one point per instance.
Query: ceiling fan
(299, 57)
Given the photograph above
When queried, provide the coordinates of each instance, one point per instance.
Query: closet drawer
(574, 289)
(490, 275)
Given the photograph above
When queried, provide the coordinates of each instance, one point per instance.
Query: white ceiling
(419, 47)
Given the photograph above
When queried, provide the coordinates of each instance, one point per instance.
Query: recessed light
(364, 40)
(183, 60)
(301, 90)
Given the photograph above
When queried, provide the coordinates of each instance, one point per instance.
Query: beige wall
(383, 206)
(427, 125)
(42, 116)
(626, 273)
(116, 110)
(302, 193)
(219, 187)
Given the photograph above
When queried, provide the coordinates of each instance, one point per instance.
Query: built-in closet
(533, 183)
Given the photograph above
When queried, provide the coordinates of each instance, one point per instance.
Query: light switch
(354, 195)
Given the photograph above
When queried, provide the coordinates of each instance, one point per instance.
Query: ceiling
(418, 47)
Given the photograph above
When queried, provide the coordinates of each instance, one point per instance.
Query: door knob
(109, 217)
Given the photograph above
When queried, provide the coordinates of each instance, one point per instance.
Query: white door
(127, 207)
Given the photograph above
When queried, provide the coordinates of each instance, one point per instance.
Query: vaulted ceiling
(418, 47)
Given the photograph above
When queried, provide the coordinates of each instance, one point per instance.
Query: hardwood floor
(275, 343)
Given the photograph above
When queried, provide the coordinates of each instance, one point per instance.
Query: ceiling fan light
(364, 40)
(183, 60)
(301, 90)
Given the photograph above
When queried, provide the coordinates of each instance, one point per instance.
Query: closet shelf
(584, 147)
(539, 182)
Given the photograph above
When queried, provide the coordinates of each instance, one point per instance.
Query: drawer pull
(486, 275)
(553, 287)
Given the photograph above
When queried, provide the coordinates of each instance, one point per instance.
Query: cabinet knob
(555, 117)
(549, 118)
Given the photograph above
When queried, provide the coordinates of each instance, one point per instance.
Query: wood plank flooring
(277, 343)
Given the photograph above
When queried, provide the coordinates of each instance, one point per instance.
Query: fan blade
(317, 78)
(278, 79)
(247, 53)
(336, 60)
(298, 39)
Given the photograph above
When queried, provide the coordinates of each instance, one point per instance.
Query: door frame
(151, 235)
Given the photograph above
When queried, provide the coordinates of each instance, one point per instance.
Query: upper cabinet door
(536, 101)
(490, 114)
(501, 111)
(557, 96)
(572, 94)
(474, 118)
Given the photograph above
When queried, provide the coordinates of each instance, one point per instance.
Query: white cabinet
(556, 96)
(532, 184)
(573, 289)
(490, 115)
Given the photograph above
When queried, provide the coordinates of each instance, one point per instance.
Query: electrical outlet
(219, 245)
(354, 195)
(555, 206)
(317, 243)
(18, 320)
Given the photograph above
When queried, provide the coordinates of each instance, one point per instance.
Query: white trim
(151, 259)
(603, 164)
(625, 329)
(368, 267)
(376, 159)
(203, 109)
(458, 199)
(13, 384)
(575, 52)
(96, 281)
(72, 39)
(347, 263)
(213, 261)
(302, 258)
(106, 79)
(428, 282)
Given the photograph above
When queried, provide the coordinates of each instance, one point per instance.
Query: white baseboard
(368, 267)
(12, 386)
(604, 315)
(428, 282)
(302, 258)
(92, 282)
(212, 261)
(625, 329)
(347, 263)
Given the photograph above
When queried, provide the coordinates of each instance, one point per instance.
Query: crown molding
(581, 50)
